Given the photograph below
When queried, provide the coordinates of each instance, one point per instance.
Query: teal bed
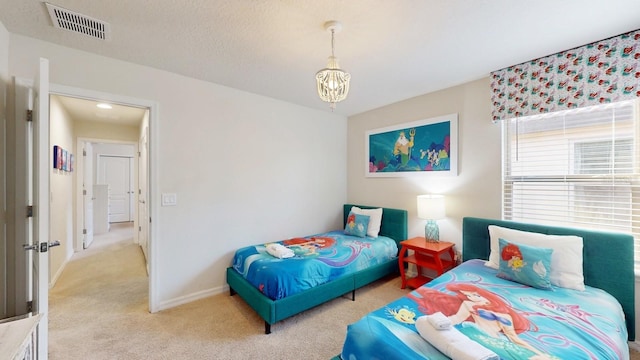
(508, 316)
(394, 226)
(608, 257)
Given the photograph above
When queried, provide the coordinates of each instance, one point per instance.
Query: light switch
(169, 199)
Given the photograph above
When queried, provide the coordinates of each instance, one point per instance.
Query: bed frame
(607, 264)
(394, 225)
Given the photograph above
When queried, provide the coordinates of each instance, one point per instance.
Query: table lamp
(431, 208)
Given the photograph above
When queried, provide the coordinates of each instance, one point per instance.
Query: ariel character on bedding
(482, 316)
(308, 246)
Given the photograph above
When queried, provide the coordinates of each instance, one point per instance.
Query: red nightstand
(425, 255)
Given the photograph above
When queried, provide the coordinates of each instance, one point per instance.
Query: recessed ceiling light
(104, 106)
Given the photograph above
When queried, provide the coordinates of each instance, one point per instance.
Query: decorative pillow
(357, 225)
(566, 260)
(375, 219)
(525, 264)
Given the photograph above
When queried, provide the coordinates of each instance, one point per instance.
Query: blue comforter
(547, 324)
(318, 259)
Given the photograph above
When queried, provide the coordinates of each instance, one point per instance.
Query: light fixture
(431, 208)
(333, 83)
(104, 106)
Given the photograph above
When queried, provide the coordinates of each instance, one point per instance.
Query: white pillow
(375, 219)
(566, 259)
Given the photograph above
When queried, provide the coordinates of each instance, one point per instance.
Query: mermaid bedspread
(513, 320)
(318, 259)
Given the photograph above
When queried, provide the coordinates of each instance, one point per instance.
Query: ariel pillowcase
(528, 265)
(356, 225)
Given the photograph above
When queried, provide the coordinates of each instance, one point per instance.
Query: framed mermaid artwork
(421, 147)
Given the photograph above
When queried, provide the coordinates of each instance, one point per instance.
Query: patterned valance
(601, 72)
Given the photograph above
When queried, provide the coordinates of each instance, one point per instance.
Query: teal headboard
(394, 221)
(607, 257)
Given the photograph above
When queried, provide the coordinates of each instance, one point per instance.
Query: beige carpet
(98, 310)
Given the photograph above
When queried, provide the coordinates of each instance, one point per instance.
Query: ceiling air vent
(79, 23)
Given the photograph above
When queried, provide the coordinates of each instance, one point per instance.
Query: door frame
(80, 163)
(152, 170)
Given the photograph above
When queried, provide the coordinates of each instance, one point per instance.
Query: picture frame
(420, 148)
(65, 159)
(57, 157)
(60, 157)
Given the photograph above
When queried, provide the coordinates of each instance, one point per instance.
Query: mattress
(318, 259)
(552, 324)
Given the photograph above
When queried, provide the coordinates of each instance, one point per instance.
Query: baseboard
(53, 279)
(164, 305)
(635, 345)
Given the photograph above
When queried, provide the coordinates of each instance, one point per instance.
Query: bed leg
(231, 291)
(353, 295)
(267, 328)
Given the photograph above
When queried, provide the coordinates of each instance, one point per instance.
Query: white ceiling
(394, 49)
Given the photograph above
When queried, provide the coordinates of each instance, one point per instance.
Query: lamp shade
(431, 207)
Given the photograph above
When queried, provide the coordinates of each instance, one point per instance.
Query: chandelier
(333, 83)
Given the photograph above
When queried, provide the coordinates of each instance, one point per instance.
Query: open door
(143, 186)
(87, 193)
(40, 219)
(32, 214)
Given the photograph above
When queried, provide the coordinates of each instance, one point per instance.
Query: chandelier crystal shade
(333, 82)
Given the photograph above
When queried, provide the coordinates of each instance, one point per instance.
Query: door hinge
(30, 306)
(84, 152)
(84, 231)
(139, 154)
(84, 192)
(139, 228)
(30, 211)
(29, 115)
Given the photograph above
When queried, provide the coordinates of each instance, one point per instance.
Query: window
(575, 168)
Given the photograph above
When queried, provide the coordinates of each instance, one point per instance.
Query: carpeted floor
(98, 310)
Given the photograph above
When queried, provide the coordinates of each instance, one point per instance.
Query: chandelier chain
(332, 42)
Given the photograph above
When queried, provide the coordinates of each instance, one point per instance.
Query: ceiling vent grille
(79, 23)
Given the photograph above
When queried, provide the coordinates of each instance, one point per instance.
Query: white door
(36, 244)
(115, 171)
(87, 194)
(143, 182)
(41, 172)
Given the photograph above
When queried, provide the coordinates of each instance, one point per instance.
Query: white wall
(61, 186)
(246, 168)
(476, 191)
(4, 80)
(104, 131)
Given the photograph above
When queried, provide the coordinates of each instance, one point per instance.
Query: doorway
(108, 130)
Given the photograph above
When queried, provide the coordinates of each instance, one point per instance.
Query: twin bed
(584, 308)
(318, 255)
(506, 317)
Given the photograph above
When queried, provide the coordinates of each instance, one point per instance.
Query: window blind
(576, 168)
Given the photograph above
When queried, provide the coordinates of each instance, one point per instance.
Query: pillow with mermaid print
(356, 225)
(528, 265)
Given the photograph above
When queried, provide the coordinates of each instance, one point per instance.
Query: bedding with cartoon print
(318, 259)
(513, 320)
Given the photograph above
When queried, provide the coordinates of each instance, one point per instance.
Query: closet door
(115, 171)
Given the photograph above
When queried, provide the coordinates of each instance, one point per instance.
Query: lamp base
(431, 231)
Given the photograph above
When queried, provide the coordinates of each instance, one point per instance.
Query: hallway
(101, 289)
